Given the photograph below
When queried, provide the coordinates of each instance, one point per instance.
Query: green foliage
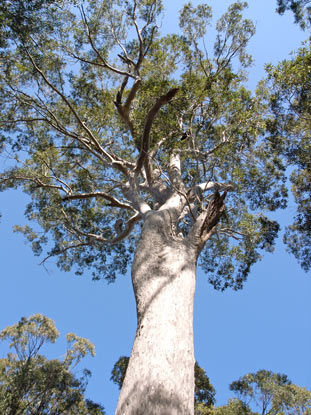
(77, 96)
(119, 370)
(194, 21)
(233, 407)
(233, 33)
(289, 133)
(272, 392)
(21, 18)
(32, 384)
(293, 400)
(300, 9)
(204, 392)
(261, 388)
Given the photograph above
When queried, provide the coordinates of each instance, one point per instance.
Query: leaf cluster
(30, 383)
(273, 393)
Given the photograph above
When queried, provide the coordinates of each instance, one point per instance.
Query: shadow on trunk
(153, 401)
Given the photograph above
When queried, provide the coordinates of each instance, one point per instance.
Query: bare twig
(38, 181)
(99, 55)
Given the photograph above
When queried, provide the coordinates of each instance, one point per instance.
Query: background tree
(120, 135)
(32, 384)
(119, 370)
(233, 407)
(272, 393)
(204, 392)
(261, 388)
(293, 400)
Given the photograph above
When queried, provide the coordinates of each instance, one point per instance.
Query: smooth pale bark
(160, 376)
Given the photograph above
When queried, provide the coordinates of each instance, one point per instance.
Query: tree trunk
(160, 376)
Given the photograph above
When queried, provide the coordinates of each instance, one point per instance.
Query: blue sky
(264, 326)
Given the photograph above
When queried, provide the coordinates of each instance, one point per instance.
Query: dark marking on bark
(214, 210)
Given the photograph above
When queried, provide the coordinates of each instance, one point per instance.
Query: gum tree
(129, 143)
(273, 393)
(261, 388)
(32, 384)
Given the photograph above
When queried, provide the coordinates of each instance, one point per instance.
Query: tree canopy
(18, 18)
(32, 384)
(95, 106)
(105, 119)
(273, 393)
(260, 387)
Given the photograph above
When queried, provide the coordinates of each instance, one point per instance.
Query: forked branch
(145, 140)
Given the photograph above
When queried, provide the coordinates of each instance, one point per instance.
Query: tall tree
(34, 385)
(131, 141)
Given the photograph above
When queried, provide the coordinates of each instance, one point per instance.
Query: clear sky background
(264, 326)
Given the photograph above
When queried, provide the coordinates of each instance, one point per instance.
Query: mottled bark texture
(160, 376)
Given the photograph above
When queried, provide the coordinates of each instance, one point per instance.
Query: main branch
(145, 142)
